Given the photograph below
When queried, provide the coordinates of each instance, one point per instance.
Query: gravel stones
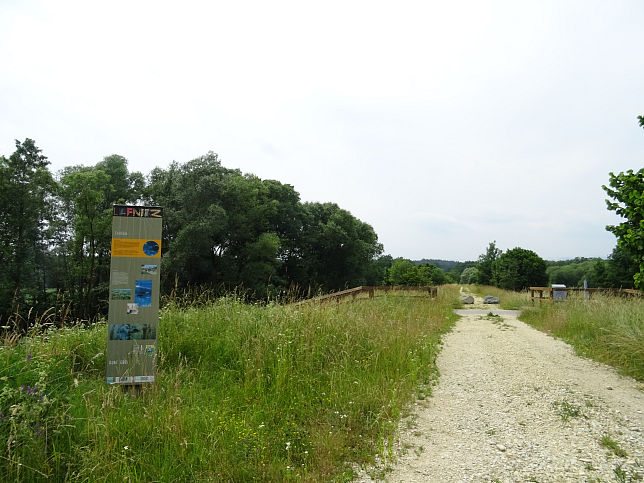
(518, 405)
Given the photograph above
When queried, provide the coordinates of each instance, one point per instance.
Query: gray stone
(489, 299)
(467, 299)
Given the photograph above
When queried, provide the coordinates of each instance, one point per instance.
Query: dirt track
(513, 404)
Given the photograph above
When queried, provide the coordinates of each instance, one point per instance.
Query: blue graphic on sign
(143, 293)
(150, 248)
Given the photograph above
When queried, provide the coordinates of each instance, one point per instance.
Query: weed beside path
(244, 392)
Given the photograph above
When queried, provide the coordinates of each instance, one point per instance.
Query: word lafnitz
(138, 211)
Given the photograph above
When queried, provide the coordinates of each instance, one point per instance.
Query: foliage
(86, 197)
(518, 269)
(485, 263)
(470, 275)
(221, 229)
(26, 187)
(615, 272)
(626, 191)
(225, 228)
(406, 272)
(244, 391)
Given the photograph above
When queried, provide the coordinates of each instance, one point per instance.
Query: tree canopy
(626, 192)
(518, 269)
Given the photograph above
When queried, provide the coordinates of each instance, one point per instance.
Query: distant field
(244, 391)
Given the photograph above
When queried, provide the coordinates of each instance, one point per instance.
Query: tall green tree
(621, 268)
(87, 196)
(469, 275)
(485, 263)
(518, 269)
(26, 188)
(626, 191)
(337, 247)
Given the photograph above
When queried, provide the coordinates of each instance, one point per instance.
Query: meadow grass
(243, 392)
(605, 328)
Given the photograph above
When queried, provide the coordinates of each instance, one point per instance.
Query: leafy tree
(573, 273)
(518, 269)
(406, 272)
(26, 188)
(83, 190)
(621, 267)
(377, 270)
(223, 227)
(398, 273)
(87, 196)
(627, 193)
(470, 275)
(485, 263)
(337, 247)
(457, 270)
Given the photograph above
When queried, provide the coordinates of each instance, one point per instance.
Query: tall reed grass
(244, 392)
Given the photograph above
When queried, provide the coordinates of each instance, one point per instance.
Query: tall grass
(605, 328)
(244, 392)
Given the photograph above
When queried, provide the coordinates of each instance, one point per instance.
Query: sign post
(133, 317)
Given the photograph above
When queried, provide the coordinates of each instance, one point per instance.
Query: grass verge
(244, 392)
(605, 328)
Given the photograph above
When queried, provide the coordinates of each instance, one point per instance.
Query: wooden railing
(590, 291)
(432, 291)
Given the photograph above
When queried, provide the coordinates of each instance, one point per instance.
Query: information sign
(133, 317)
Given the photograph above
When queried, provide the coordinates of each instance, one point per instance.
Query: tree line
(221, 229)
(227, 230)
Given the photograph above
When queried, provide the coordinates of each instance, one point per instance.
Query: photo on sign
(121, 293)
(150, 248)
(132, 309)
(143, 293)
(132, 332)
(149, 269)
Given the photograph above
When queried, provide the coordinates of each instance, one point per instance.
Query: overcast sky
(445, 125)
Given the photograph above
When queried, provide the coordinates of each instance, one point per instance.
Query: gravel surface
(513, 404)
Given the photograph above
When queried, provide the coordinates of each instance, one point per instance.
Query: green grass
(244, 392)
(605, 328)
(611, 444)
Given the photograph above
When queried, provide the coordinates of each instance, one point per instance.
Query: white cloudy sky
(443, 124)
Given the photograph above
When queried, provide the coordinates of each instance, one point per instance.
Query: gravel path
(513, 404)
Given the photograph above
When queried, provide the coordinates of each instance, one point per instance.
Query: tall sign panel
(133, 317)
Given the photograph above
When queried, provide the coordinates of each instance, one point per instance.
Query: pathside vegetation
(244, 392)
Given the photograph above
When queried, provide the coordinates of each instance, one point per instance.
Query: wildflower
(75, 382)
(29, 356)
(125, 448)
(288, 446)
